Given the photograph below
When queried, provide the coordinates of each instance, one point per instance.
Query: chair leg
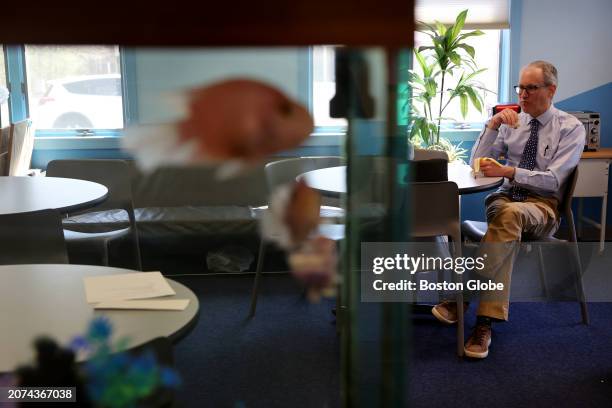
(576, 255)
(105, 252)
(460, 325)
(456, 240)
(136, 251)
(460, 318)
(441, 277)
(542, 271)
(255, 292)
(579, 285)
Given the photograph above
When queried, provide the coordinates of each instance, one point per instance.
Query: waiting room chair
(286, 171)
(434, 209)
(114, 174)
(429, 154)
(429, 165)
(32, 238)
(475, 231)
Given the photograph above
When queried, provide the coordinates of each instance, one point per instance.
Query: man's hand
(489, 169)
(506, 116)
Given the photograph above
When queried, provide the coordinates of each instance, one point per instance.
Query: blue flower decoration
(100, 328)
(119, 379)
(79, 343)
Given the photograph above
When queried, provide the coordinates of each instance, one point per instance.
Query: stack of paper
(141, 290)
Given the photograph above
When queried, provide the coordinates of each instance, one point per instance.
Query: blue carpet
(288, 355)
(543, 356)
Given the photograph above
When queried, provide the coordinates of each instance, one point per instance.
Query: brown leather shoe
(446, 312)
(478, 344)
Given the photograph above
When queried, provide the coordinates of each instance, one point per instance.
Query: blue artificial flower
(120, 360)
(79, 343)
(100, 328)
(144, 363)
(118, 378)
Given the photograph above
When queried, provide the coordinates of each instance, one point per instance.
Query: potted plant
(448, 72)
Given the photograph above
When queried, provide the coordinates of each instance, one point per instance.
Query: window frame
(323, 133)
(18, 103)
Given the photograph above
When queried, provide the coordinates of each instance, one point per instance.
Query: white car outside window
(83, 102)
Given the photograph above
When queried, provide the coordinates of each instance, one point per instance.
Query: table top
(601, 153)
(25, 194)
(50, 300)
(331, 181)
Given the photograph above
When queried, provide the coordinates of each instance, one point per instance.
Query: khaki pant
(507, 222)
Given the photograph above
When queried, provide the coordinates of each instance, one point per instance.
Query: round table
(26, 194)
(50, 300)
(331, 181)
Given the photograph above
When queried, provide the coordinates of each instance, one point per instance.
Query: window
(74, 87)
(487, 49)
(324, 86)
(487, 56)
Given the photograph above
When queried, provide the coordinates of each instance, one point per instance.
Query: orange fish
(293, 214)
(302, 215)
(244, 119)
(233, 120)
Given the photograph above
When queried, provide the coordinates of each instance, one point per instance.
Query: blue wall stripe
(503, 88)
(516, 15)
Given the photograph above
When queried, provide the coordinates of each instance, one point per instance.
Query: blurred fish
(314, 264)
(234, 120)
(293, 215)
(302, 215)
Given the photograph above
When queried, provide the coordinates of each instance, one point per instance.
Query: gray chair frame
(475, 230)
(115, 175)
(428, 154)
(32, 238)
(286, 171)
(435, 212)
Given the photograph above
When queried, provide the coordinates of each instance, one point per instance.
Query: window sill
(76, 142)
(462, 135)
(336, 138)
(316, 139)
(325, 139)
(112, 142)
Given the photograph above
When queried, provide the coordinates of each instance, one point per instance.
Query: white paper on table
(140, 285)
(156, 304)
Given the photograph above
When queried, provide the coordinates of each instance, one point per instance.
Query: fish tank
(336, 82)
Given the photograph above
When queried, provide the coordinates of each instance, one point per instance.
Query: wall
(574, 36)
(162, 73)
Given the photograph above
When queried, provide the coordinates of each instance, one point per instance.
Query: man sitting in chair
(542, 146)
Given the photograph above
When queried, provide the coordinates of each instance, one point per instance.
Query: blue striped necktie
(528, 159)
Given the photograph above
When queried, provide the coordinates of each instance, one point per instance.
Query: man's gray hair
(548, 70)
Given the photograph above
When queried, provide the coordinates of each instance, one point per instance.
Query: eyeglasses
(529, 88)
